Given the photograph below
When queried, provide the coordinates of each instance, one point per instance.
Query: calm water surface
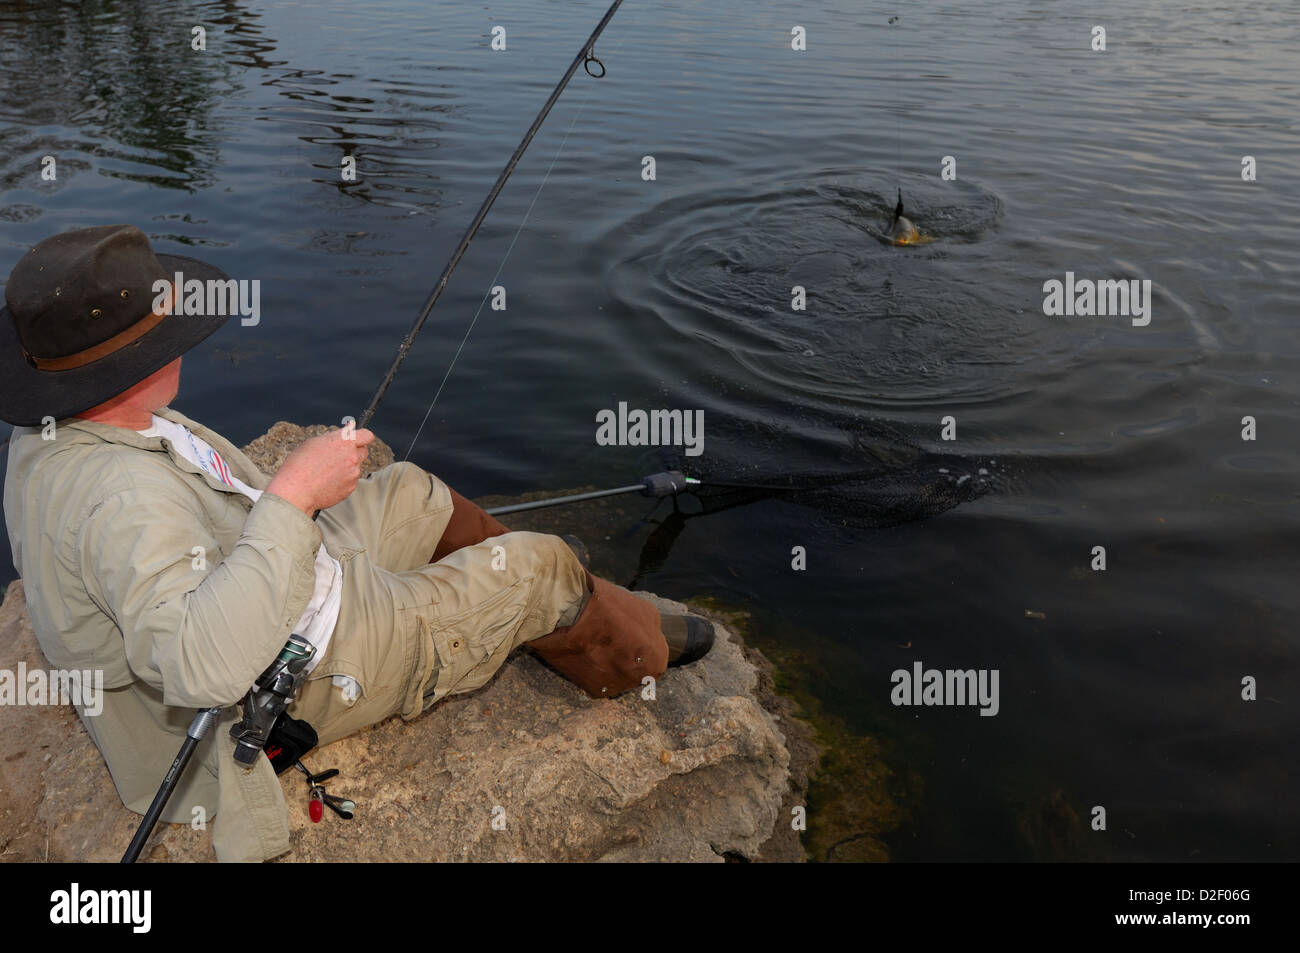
(773, 169)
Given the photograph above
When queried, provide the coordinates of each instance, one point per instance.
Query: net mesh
(876, 476)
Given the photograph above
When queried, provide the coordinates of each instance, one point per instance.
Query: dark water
(777, 168)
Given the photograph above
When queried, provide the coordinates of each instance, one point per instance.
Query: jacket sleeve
(201, 635)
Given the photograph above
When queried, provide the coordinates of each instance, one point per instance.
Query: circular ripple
(882, 325)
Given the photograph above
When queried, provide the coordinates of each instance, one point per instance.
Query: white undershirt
(322, 613)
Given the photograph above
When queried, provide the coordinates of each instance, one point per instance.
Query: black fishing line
(898, 111)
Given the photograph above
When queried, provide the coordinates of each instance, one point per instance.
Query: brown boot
(614, 643)
(469, 524)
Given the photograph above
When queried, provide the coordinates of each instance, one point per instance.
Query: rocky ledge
(527, 768)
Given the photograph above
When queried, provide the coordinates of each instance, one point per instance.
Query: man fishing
(153, 550)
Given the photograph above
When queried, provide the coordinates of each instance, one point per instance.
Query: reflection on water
(135, 102)
(126, 74)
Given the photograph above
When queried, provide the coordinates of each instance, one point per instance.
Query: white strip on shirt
(322, 613)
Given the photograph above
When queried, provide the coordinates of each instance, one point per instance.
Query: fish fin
(898, 209)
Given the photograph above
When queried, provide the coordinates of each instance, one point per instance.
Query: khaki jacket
(179, 588)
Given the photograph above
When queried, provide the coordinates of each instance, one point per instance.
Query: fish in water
(901, 230)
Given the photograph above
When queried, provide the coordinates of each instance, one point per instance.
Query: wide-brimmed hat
(79, 324)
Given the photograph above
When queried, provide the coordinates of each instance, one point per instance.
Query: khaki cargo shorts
(412, 632)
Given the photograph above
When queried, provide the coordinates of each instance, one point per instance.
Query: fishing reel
(269, 697)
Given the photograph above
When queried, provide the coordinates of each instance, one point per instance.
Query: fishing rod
(198, 728)
(262, 706)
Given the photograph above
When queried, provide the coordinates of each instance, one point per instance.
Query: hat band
(104, 348)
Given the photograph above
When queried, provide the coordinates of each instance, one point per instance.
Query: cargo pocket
(425, 668)
(342, 668)
(471, 646)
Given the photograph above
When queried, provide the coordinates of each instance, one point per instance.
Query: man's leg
(397, 514)
(410, 638)
(467, 525)
(616, 640)
(494, 596)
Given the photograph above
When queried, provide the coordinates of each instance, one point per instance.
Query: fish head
(903, 232)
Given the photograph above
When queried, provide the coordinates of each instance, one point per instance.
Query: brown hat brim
(29, 395)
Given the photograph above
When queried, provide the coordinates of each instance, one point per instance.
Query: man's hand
(322, 470)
